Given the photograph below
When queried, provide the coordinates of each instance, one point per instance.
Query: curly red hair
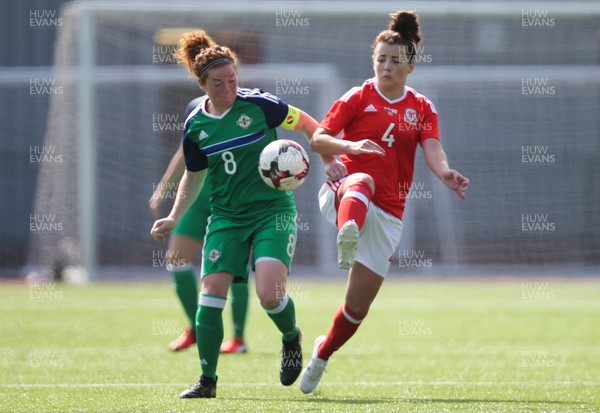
(197, 51)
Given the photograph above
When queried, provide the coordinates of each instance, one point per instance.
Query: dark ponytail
(406, 23)
(403, 30)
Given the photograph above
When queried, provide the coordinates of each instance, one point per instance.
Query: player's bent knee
(217, 283)
(359, 310)
(271, 277)
(270, 299)
(361, 177)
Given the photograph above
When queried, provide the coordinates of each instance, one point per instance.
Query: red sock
(354, 204)
(345, 324)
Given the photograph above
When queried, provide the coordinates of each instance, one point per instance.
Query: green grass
(435, 346)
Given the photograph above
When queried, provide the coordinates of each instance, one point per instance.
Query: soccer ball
(283, 164)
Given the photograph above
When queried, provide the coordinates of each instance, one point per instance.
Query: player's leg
(363, 285)
(209, 320)
(270, 288)
(362, 288)
(239, 307)
(194, 225)
(271, 277)
(273, 252)
(226, 252)
(239, 294)
(209, 330)
(376, 245)
(353, 198)
(184, 243)
(182, 250)
(354, 195)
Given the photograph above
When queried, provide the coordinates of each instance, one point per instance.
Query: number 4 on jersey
(387, 137)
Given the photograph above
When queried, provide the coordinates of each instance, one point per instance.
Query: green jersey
(229, 145)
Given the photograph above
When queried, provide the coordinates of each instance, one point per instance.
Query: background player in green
(184, 243)
(224, 137)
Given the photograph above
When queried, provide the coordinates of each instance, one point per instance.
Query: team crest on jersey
(410, 116)
(214, 255)
(244, 121)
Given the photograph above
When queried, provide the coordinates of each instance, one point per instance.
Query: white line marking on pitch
(360, 383)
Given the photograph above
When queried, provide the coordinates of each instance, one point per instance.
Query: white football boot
(314, 369)
(347, 242)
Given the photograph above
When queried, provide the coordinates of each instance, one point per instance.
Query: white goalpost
(504, 76)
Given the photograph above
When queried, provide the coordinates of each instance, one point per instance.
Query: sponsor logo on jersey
(203, 135)
(244, 121)
(410, 115)
(370, 108)
(214, 255)
(391, 111)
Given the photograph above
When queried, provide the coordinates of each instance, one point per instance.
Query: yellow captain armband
(292, 118)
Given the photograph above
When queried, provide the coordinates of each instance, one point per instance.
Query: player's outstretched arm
(437, 161)
(173, 174)
(325, 143)
(307, 125)
(189, 188)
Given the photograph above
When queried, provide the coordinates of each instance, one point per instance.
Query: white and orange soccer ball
(283, 164)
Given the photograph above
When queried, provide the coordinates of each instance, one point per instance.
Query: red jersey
(396, 125)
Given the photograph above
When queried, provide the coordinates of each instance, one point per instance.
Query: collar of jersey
(385, 98)
(210, 115)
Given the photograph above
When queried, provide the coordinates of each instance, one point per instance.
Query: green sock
(185, 285)
(209, 332)
(284, 317)
(239, 307)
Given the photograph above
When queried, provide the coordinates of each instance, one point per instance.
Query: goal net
(516, 86)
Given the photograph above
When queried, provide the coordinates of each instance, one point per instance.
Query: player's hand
(455, 181)
(365, 147)
(335, 170)
(161, 228)
(154, 204)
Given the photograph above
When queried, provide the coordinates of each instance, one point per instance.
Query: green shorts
(229, 242)
(193, 223)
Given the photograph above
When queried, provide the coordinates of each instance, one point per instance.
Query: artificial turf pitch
(511, 345)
